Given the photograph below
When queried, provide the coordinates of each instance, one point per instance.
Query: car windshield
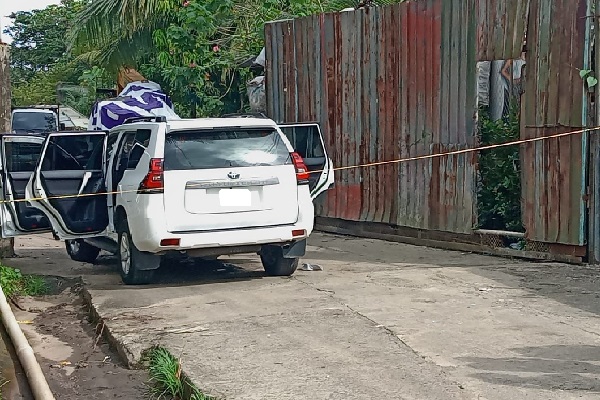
(222, 148)
(33, 122)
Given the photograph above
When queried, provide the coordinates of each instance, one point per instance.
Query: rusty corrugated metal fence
(385, 83)
(554, 171)
(400, 81)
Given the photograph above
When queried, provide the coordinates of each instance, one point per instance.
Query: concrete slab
(383, 320)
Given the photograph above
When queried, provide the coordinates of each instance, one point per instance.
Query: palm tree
(113, 33)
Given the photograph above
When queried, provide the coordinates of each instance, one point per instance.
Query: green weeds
(16, 284)
(167, 380)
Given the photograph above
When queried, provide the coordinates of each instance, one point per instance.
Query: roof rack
(245, 115)
(158, 118)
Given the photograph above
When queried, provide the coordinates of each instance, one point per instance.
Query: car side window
(122, 157)
(21, 157)
(71, 152)
(138, 147)
(111, 145)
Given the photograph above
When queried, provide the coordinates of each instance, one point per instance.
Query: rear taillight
(153, 182)
(302, 173)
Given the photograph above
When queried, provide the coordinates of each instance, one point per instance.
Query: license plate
(235, 198)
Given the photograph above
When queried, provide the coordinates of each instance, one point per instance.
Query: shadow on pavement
(185, 272)
(559, 367)
(573, 285)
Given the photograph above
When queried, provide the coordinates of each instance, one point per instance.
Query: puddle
(12, 377)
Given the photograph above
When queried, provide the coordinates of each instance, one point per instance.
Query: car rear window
(204, 149)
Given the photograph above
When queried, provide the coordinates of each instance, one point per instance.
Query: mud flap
(294, 250)
(146, 261)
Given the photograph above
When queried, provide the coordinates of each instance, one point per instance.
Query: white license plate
(235, 198)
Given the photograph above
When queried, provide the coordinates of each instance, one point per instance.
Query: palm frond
(102, 22)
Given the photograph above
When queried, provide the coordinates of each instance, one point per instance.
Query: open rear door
(69, 184)
(19, 156)
(307, 140)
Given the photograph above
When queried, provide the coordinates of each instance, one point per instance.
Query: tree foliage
(39, 38)
(39, 57)
(193, 48)
(499, 197)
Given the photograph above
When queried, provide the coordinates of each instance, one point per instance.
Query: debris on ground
(311, 267)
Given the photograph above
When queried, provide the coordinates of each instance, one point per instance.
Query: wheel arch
(119, 216)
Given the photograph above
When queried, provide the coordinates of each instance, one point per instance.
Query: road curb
(121, 348)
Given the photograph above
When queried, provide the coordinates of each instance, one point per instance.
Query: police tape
(344, 168)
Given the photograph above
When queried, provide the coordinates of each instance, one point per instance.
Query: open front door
(19, 156)
(308, 142)
(68, 184)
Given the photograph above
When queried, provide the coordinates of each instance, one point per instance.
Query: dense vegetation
(499, 197)
(192, 48)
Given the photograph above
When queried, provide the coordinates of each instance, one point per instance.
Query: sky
(9, 6)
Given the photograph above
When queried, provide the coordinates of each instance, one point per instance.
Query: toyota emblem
(233, 175)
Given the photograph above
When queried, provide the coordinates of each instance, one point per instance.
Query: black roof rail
(245, 115)
(159, 118)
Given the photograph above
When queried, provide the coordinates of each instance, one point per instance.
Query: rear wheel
(137, 267)
(79, 250)
(275, 264)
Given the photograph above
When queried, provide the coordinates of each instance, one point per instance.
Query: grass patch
(167, 380)
(14, 283)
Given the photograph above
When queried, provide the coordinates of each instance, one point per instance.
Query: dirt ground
(381, 321)
(77, 363)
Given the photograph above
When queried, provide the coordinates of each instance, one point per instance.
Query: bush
(499, 194)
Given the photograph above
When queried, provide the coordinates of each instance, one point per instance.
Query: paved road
(382, 321)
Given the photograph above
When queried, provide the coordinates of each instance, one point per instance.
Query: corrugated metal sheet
(554, 170)
(501, 31)
(386, 83)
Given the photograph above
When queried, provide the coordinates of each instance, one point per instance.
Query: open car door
(19, 155)
(68, 184)
(307, 140)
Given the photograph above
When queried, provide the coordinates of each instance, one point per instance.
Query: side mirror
(62, 126)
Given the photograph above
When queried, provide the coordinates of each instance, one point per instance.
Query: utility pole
(7, 248)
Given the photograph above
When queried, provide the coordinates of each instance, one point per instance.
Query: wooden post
(7, 248)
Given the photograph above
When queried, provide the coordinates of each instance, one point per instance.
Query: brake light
(302, 173)
(153, 182)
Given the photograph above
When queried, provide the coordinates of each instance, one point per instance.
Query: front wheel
(131, 260)
(81, 251)
(275, 264)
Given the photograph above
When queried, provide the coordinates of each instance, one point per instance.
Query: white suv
(147, 188)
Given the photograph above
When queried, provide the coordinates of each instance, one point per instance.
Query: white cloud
(8, 7)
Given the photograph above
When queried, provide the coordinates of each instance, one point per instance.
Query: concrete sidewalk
(382, 321)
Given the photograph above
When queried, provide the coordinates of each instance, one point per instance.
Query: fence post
(7, 248)
(594, 164)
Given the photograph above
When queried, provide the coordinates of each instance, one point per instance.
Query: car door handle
(86, 177)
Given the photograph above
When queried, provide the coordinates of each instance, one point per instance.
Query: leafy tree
(191, 47)
(39, 38)
(116, 33)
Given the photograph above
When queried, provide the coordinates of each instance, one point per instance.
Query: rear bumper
(242, 238)
(147, 233)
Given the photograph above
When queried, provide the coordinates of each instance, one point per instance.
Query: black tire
(130, 260)
(275, 264)
(81, 251)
